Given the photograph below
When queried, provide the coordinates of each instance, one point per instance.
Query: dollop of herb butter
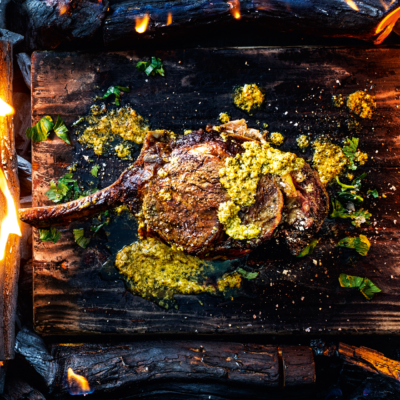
(248, 98)
(240, 178)
(361, 104)
(303, 141)
(277, 138)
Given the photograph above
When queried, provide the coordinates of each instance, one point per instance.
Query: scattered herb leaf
(80, 239)
(117, 91)
(95, 170)
(78, 121)
(51, 235)
(365, 285)
(247, 274)
(374, 193)
(96, 228)
(61, 130)
(349, 150)
(360, 244)
(152, 67)
(41, 130)
(359, 217)
(349, 192)
(309, 249)
(65, 190)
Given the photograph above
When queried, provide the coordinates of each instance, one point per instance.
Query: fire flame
(141, 23)
(351, 4)
(390, 19)
(10, 222)
(5, 109)
(62, 8)
(78, 384)
(234, 6)
(169, 19)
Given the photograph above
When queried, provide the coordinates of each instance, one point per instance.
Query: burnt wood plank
(291, 295)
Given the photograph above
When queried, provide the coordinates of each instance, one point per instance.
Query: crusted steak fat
(175, 191)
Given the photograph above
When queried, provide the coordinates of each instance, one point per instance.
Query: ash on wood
(290, 294)
(113, 367)
(331, 18)
(9, 266)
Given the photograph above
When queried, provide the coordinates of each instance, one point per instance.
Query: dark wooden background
(71, 294)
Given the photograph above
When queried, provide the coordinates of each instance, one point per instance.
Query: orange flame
(169, 19)
(63, 8)
(10, 222)
(351, 4)
(390, 19)
(234, 6)
(5, 109)
(141, 23)
(78, 384)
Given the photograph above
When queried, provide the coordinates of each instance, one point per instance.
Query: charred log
(114, 367)
(24, 63)
(367, 20)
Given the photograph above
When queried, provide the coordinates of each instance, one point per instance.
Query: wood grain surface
(297, 295)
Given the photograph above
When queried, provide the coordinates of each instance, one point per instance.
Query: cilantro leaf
(95, 170)
(309, 249)
(359, 217)
(365, 285)
(360, 244)
(65, 190)
(61, 130)
(349, 150)
(374, 193)
(117, 91)
(51, 235)
(247, 274)
(80, 239)
(152, 67)
(41, 130)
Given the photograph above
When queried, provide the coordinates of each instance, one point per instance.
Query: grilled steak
(174, 188)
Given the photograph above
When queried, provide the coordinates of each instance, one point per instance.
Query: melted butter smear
(141, 23)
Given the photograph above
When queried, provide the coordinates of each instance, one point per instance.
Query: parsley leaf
(350, 150)
(65, 190)
(374, 193)
(349, 192)
(365, 285)
(41, 130)
(95, 170)
(51, 235)
(360, 244)
(80, 239)
(358, 217)
(152, 67)
(117, 91)
(61, 130)
(309, 249)
(247, 274)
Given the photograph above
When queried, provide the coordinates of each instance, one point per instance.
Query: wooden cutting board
(296, 295)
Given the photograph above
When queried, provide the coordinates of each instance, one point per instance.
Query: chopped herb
(152, 67)
(61, 130)
(96, 228)
(117, 91)
(358, 217)
(350, 149)
(80, 239)
(309, 249)
(247, 274)
(95, 170)
(360, 244)
(41, 130)
(51, 235)
(374, 193)
(349, 192)
(65, 190)
(78, 121)
(365, 285)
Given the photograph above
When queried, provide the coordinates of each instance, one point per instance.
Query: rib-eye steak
(174, 189)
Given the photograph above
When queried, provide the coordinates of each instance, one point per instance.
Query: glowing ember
(10, 222)
(62, 8)
(169, 19)
(351, 4)
(141, 23)
(77, 384)
(234, 6)
(5, 109)
(390, 19)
